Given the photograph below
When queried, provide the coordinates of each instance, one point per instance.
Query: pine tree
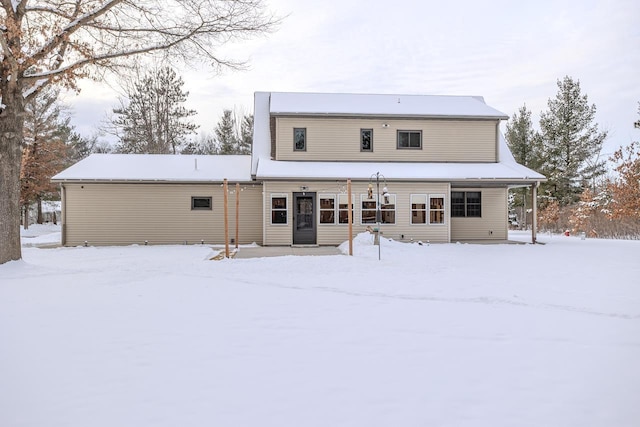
(226, 134)
(245, 141)
(153, 119)
(524, 144)
(44, 151)
(571, 143)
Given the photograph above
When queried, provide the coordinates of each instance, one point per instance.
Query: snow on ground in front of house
(430, 335)
(40, 234)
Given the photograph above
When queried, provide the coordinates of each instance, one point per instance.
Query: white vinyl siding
(336, 234)
(339, 139)
(124, 214)
(492, 225)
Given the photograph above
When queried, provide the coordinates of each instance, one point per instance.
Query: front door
(304, 219)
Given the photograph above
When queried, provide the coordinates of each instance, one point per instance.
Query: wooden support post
(237, 214)
(226, 217)
(534, 213)
(349, 217)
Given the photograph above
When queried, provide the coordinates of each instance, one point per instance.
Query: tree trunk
(25, 217)
(11, 124)
(39, 219)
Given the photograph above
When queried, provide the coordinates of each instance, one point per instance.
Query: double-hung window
(466, 204)
(343, 209)
(436, 209)
(387, 209)
(327, 209)
(410, 139)
(418, 209)
(278, 209)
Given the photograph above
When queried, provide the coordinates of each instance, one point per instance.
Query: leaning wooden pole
(226, 218)
(237, 214)
(349, 217)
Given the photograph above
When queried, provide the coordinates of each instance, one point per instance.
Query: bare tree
(59, 42)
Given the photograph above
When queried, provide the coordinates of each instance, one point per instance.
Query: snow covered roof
(283, 103)
(506, 171)
(158, 168)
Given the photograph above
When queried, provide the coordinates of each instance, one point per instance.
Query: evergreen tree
(571, 143)
(44, 150)
(154, 120)
(204, 144)
(245, 141)
(524, 144)
(226, 134)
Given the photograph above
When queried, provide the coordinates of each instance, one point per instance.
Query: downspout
(534, 211)
(63, 212)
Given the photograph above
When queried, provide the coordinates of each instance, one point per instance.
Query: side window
(201, 204)
(327, 209)
(411, 139)
(278, 209)
(466, 204)
(418, 209)
(366, 139)
(299, 139)
(436, 209)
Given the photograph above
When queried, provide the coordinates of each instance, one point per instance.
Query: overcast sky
(511, 53)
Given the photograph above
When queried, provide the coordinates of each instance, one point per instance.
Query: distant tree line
(580, 194)
(151, 119)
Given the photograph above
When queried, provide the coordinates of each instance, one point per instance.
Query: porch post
(534, 212)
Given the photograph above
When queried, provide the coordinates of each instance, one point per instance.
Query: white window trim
(278, 195)
(444, 210)
(426, 210)
(335, 209)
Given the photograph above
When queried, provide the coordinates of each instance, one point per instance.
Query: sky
(511, 53)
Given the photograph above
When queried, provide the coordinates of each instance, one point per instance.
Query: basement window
(201, 204)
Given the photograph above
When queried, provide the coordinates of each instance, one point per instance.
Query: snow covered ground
(431, 335)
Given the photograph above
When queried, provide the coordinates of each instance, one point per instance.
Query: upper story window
(410, 139)
(366, 139)
(299, 139)
(466, 204)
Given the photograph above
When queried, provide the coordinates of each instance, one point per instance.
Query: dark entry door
(304, 219)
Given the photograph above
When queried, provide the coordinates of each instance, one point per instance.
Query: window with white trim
(343, 209)
(387, 209)
(327, 208)
(418, 209)
(278, 209)
(436, 209)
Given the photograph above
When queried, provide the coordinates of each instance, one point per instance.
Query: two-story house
(437, 167)
(424, 168)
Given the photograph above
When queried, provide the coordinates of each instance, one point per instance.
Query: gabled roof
(158, 168)
(379, 105)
